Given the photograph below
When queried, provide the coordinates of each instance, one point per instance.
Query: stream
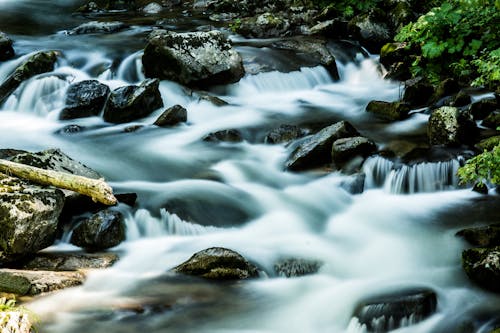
(399, 233)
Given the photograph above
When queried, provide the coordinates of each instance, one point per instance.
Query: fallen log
(97, 189)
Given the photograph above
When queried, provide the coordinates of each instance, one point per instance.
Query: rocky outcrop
(6, 49)
(344, 150)
(295, 267)
(218, 263)
(129, 103)
(482, 266)
(448, 126)
(172, 116)
(28, 218)
(315, 150)
(390, 311)
(486, 236)
(67, 261)
(371, 30)
(38, 63)
(98, 27)
(101, 231)
(389, 110)
(21, 282)
(84, 99)
(418, 92)
(284, 133)
(195, 59)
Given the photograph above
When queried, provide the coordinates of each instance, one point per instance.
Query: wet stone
(23, 282)
(485, 236)
(98, 27)
(218, 263)
(231, 135)
(390, 311)
(283, 134)
(482, 266)
(6, 49)
(172, 116)
(84, 99)
(389, 110)
(295, 267)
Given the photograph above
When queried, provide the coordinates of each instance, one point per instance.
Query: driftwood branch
(97, 189)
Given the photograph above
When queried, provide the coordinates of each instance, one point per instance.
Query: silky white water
(380, 240)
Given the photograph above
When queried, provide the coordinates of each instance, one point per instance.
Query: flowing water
(399, 233)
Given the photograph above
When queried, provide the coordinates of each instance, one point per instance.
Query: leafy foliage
(348, 8)
(482, 168)
(458, 37)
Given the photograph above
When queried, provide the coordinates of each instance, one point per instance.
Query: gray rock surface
(172, 116)
(84, 99)
(448, 126)
(32, 283)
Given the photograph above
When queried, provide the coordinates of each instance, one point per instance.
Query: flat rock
(98, 27)
(21, 282)
(345, 149)
(69, 261)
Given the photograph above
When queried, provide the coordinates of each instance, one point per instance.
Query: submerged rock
(101, 231)
(284, 133)
(482, 266)
(354, 184)
(218, 263)
(6, 49)
(390, 311)
(21, 282)
(448, 126)
(98, 27)
(129, 103)
(294, 267)
(38, 63)
(315, 150)
(28, 218)
(172, 116)
(84, 99)
(197, 59)
(230, 135)
(486, 236)
(389, 110)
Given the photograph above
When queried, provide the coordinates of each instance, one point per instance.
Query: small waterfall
(144, 225)
(130, 69)
(306, 78)
(39, 95)
(420, 177)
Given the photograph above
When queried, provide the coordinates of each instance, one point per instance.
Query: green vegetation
(458, 38)
(348, 8)
(483, 168)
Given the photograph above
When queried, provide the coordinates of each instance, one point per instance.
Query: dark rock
(217, 101)
(85, 99)
(7, 154)
(390, 311)
(354, 184)
(345, 149)
(127, 198)
(371, 30)
(101, 231)
(392, 53)
(32, 283)
(335, 28)
(482, 266)
(481, 109)
(461, 99)
(480, 187)
(294, 267)
(218, 263)
(68, 261)
(98, 27)
(129, 103)
(446, 88)
(265, 25)
(94, 6)
(448, 126)
(28, 218)
(315, 150)
(230, 135)
(418, 92)
(70, 129)
(283, 134)
(316, 50)
(38, 63)
(389, 110)
(172, 116)
(6, 49)
(487, 236)
(492, 120)
(197, 59)
(133, 128)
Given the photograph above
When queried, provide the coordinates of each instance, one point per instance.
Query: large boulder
(448, 126)
(196, 59)
(84, 99)
(486, 236)
(371, 30)
(101, 231)
(130, 103)
(389, 110)
(28, 218)
(390, 311)
(418, 92)
(38, 63)
(315, 150)
(218, 263)
(482, 266)
(6, 49)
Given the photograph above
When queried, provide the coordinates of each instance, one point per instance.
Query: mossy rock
(389, 110)
(482, 266)
(488, 144)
